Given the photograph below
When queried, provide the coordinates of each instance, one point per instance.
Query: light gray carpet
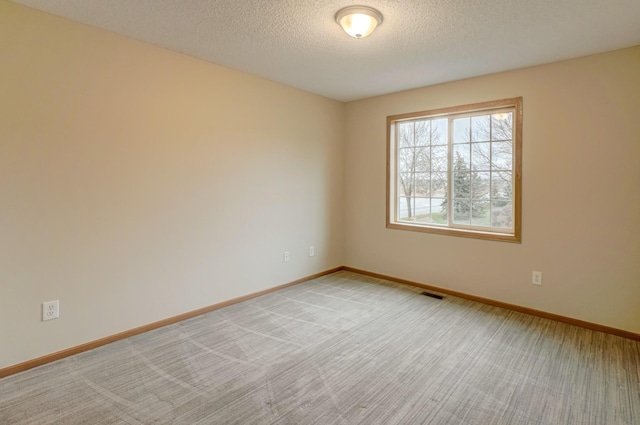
(341, 349)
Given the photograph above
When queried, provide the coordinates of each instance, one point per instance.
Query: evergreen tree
(463, 181)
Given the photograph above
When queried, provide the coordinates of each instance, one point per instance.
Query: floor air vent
(429, 294)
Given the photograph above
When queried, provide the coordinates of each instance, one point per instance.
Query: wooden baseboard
(526, 310)
(29, 364)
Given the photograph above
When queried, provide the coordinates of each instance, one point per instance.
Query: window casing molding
(479, 112)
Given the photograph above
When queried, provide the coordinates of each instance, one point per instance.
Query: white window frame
(513, 105)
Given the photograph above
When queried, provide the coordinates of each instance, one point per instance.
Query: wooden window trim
(516, 236)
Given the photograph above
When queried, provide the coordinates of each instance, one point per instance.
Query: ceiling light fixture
(358, 21)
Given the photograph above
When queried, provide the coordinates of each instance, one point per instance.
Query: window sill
(465, 233)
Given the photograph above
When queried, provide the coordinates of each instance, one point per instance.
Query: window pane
(461, 185)
(422, 159)
(461, 157)
(502, 214)
(406, 187)
(405, 134)
(423, 184)
(439, 211)
(501, 185)
(481, 156)
(481, 128)
(502, 155)
(439, 160)
(462, 211)
(405, 207)
(502, 125)
(439, 185)
(405, 159)
(439, 131)
(480, 213)
(425, 219)
(422, 137)
(422, 207)
(480, 185)
(461, 130)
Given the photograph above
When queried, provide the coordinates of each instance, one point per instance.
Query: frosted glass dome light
(358, 21)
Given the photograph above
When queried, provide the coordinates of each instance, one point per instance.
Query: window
(457, 171)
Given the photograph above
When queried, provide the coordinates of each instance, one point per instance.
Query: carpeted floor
(341, 349)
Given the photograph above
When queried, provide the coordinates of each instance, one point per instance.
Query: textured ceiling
(420, 42)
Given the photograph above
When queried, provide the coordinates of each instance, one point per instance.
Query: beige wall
(581, 193)
(137, 183)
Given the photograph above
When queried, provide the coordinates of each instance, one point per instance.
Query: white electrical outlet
(50, 310)
(312, 251)
(285, 257)
(536, 278)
